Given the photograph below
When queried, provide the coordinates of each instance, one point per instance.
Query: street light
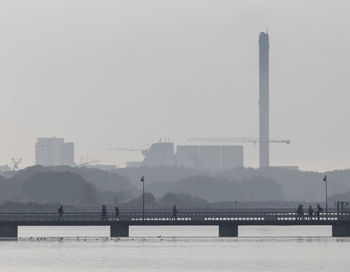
(325, 180)
(143, 197)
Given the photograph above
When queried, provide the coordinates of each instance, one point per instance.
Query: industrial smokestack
(264, 127)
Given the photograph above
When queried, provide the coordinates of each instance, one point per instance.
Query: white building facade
(53, 152)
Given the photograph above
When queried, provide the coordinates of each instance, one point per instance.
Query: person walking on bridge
(116, 212)
(298, 213)
(318, 211)
(104, 212)
(301, 212)
(60, 213)
(175, 212)
(311, 212)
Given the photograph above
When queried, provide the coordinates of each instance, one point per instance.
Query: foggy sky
(126, 73)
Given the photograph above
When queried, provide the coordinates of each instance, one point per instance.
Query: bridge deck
(166, 218)
(227, 222)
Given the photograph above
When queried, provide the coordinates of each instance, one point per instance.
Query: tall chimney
(264, 135)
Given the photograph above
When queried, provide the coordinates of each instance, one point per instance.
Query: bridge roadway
(227, 222)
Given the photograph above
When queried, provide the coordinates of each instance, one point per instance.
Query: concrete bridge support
(120, 230)
(8, 231)
(228, 230)
(341, 230)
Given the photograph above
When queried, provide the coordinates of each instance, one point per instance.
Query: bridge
(227, 221)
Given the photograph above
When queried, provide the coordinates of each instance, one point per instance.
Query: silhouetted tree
(89, 194)
(55, 187)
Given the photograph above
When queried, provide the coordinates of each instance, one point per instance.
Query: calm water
(193, 249)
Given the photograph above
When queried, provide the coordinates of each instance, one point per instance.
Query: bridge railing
(83, 217)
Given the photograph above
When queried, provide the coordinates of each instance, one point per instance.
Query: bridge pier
(8, 231)
(120, 230)
(341, 230)
(228, 230)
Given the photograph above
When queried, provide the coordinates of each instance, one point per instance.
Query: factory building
(210, 157)
(161, 153)
(200, 157)
(53, 152)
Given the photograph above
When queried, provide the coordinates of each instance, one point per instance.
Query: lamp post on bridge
(325, 180)
(143, 197)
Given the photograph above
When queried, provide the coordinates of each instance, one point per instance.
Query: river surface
(285, 248)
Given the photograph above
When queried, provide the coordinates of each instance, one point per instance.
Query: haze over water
(177, 249)
(113, 77)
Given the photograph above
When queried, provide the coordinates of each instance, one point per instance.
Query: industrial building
(161, 153)
(210, 157)
(53, 152)
(215, 157)
(200, 157)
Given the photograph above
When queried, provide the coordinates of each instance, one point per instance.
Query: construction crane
(234, 140)
(143, 151)
(15, 164)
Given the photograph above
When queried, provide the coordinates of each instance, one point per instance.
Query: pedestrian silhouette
(318, 211)
(301, 212)
(117, 212)
(60, 212)
(297, 212)
(104, 212)
(311, 212)
(175, 212)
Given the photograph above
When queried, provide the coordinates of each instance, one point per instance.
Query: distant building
(210, 157)
(200, 157)
(53, 152)
(161, 153)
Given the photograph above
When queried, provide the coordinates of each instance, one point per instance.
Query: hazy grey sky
(126, 73)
